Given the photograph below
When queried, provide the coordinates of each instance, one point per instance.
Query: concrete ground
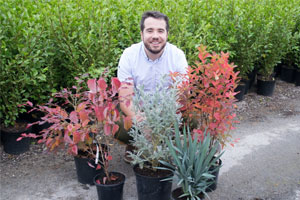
(263, 165)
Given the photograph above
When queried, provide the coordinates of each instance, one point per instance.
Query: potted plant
(193, 163)
(273, 30)
(87, 130)
(207, 97)
(159, 111)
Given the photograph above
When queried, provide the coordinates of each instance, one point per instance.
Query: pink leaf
(92, 85)
(92, 166)
(75, 150)
(98, 181)
(70, 127)
(98, 167)
(74, 117)
(107, 129)
(67, 139)
(19, 138)
(29, 103)
(99, 110)
(102, 84)
(115, 129)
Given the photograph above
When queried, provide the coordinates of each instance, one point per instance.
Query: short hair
(156, 15)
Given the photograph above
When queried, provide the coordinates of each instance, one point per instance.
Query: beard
(147, 46)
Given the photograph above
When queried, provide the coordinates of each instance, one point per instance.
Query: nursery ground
(263, 165)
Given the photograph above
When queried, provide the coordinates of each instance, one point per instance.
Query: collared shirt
(135, 65)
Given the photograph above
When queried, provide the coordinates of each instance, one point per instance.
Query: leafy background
(44, 44)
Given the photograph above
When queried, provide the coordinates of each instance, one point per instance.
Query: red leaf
(74, 117)
(92, 85)
(98, 181)
(98, 167)
(102, 84)
(113, 177)
(84, 117)
(107, 129)
(108, 157)
(80, 106)
(75, 150)
(76, 137)
(29, 103)
(99, 112)
(116, 84)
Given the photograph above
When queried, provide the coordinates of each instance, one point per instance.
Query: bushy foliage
(160, 113)
(86, 122)
(45, 44)
(207, 96)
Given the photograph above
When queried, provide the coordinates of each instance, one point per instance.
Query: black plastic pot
(178, 192)
(110, 191)
(151, 188)
(213, 186)
(287, 74)
(86, 173)
(247, 85)
(265, 88)
(241, 91)
(297, 77)
(10, 143)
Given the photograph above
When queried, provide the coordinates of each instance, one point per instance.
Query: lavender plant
(160, 113)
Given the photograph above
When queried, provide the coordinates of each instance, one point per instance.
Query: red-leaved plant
(207, 96)
(88, 127)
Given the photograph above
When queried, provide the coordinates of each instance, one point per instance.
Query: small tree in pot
(87, 130)
(207, 96)
(159, 111)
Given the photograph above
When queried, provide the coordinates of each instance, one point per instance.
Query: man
(146, 62)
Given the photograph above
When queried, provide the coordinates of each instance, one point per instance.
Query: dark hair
(156, 15)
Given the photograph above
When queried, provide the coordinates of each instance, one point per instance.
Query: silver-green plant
(160, 111)
(193, 162)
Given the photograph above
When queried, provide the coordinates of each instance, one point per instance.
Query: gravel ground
(27, 173)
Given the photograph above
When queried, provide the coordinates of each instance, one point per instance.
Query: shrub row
(45, 44)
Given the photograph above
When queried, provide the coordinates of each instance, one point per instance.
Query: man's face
(154, 35)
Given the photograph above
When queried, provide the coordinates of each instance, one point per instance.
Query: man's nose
(155, 34)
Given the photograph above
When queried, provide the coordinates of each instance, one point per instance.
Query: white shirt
(135, 65)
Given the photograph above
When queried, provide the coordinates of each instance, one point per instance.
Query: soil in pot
(112, 190)
(150, 185)
(9, 136)
(178, 192)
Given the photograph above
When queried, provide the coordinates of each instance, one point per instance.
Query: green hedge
(46, 43)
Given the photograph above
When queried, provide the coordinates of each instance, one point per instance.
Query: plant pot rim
(202, 196)
(110, 185)
(150, 177)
